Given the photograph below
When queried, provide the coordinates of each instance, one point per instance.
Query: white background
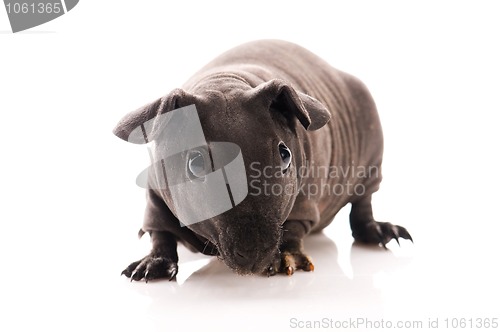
(70, 210)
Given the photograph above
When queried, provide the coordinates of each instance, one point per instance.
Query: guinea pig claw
(172, 272)
(308, 267)
(152, 267)
(380, 233)
(294, 259)
(404, 233)
(130, 269)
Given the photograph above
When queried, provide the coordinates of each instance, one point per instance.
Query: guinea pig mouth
(245, 262)
(249, 244)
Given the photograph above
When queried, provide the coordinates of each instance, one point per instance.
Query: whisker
(206, 245)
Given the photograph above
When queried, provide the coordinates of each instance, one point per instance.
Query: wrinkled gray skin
(259, 95)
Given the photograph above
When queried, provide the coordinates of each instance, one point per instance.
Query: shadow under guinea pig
(327, 290)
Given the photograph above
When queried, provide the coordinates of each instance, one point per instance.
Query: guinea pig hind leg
(365, 229)
(291, 256)
(160, 263)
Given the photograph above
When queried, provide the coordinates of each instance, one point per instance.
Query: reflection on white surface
(209, 294)
(405, 283)
(414, 282)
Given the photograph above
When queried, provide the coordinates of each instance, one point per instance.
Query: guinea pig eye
(286, 157)
(196, 165)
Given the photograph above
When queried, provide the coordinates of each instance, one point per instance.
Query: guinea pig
(261, 147)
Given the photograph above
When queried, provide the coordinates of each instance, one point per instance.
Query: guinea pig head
(225, 160)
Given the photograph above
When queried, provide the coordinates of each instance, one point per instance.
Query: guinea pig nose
(242, 258)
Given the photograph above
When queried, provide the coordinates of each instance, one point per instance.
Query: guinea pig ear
(310, 112)
(137, 126)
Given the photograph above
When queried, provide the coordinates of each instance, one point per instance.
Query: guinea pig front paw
(381, 233)
(289, 261)
(151, 267)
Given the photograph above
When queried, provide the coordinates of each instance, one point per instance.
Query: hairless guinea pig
(291, 139)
